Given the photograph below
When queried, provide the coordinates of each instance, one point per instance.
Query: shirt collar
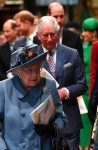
(53, 50)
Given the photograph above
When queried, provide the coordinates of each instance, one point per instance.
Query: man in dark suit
(68, 72)
(67, 37)
(10, 32)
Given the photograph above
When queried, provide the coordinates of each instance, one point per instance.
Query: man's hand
(62, 93)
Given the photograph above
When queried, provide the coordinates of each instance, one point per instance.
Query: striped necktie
(51, 63)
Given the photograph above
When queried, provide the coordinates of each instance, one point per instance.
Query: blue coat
(69, 73)
(16, 104)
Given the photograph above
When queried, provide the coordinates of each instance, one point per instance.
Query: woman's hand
(42, 130)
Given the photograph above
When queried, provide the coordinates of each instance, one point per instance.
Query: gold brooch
(30, 54)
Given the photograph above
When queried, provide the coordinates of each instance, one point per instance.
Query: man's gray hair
(47, 20)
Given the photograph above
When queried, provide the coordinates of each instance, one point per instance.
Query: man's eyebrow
(58, 16)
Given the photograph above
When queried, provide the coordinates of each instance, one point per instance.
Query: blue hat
(26, 55)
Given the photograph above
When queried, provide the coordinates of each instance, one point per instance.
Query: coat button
(23, 145)
(23, 130)
(23, 114)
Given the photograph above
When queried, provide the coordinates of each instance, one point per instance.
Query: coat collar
(22, 92)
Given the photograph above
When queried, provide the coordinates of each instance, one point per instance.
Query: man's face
(9, 33)
(58, 14)
(48, 36)
(21, 27)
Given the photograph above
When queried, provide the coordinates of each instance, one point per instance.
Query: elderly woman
(19, 96)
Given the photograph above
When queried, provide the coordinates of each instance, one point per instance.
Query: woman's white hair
(47, 20)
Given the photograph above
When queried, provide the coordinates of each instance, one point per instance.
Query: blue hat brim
(39, 58)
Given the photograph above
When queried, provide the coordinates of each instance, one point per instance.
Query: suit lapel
(45, 63)
(59, 59)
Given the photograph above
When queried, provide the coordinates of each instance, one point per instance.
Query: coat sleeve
(94, 64)
(2, 100)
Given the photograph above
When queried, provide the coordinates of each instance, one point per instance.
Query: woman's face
(88, 36)
(30, 75)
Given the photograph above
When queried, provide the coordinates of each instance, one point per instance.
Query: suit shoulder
(21, 39)
(6, 82)
(68, 49)
(4, 45)
(67, 52)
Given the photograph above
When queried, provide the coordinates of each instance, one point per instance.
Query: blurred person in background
(2, 38)
(73, 26)
(66, 37)
(89, 34)
(25, 21)
(10, 32)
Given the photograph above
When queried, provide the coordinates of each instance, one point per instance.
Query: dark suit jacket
(5, 58)
(70, 39)
(70, 74)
